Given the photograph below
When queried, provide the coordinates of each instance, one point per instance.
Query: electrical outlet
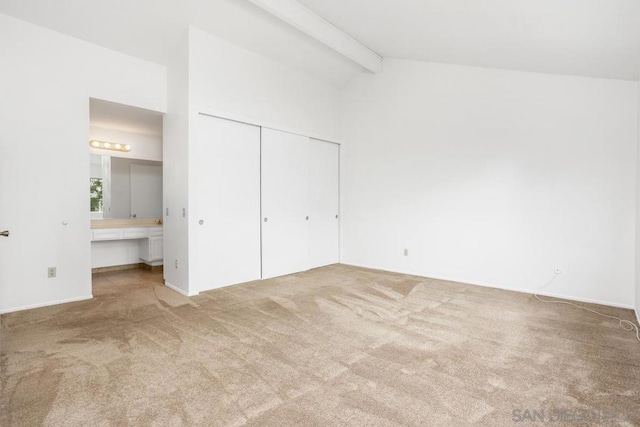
(406, 252)
(184, 212)
(176, 263)
(557, 271)
(51, 272)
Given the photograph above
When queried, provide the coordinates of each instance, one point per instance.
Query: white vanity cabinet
(104, 242)
(151, 248)
(106, 234)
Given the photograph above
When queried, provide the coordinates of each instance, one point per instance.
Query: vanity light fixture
(109, 145)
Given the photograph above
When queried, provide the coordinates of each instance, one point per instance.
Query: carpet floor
(334, 346)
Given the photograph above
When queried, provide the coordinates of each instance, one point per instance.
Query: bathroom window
(95, 194)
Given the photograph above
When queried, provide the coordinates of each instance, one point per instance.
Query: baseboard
(45, 304)
(577, 299)
(112, 268)
(178, 290)
(153, 268)
(506, 288)
(151, 263)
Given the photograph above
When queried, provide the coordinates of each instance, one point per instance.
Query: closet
(324, 203)
(285, 203)
(266, 203)
(224, 232)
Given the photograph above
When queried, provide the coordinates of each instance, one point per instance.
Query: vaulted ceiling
(148, 29)
(596, 38)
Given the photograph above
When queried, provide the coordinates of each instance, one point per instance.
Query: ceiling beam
(298, 16)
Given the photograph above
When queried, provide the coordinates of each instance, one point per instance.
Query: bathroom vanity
(126, 242)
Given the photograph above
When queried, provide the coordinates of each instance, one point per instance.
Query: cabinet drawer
(135, 233)
(155, 232)
(107, 234)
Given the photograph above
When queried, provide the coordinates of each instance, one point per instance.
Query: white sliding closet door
(285, 203)
(226, 220)
(324, 187)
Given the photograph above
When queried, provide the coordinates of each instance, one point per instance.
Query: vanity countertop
(124, 223)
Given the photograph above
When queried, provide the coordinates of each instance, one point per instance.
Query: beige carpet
(333, 346)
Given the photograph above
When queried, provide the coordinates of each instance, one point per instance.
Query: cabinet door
(285, 203)
(155, 248)
(226, 193)
(324, 185)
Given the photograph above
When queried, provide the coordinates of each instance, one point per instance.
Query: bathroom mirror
(125, 188)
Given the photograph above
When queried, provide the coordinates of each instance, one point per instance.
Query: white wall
(46, 81)
(175, 175)
(146, 147)
(637, 287)
(226, 78)
(219, 77)
(492, 177)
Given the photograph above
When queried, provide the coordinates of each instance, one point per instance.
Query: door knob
(5, 233)
(265, 220)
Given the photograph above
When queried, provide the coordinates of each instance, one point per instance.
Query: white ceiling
(148, 29)
(125, 118)
(598, 38)
(595, 38)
